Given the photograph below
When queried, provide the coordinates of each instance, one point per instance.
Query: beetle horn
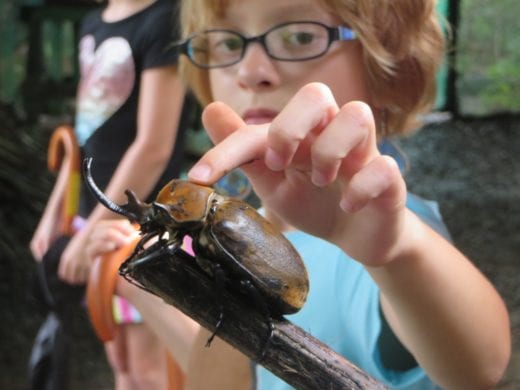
(134, 210)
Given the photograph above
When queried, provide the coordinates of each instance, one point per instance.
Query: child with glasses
(304, 95)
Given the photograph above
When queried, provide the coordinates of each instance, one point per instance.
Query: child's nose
(256, 67)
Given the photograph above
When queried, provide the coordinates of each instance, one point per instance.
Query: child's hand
(318, 167)
(109, 235)
(106, 236)
(45, 234)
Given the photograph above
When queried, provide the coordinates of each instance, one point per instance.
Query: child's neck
(120, 9)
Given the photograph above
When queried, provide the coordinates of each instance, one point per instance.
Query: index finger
(237, 144)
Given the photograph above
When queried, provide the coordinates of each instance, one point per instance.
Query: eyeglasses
(293, 41)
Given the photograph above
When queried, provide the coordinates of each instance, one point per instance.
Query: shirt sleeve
(428, 211)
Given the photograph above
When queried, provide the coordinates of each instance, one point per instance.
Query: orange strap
(101, 287)
(176, 377)
(64, 147)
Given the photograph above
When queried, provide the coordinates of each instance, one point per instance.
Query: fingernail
(274, 161)
(318, 179)
(200, 172)
(347, 206)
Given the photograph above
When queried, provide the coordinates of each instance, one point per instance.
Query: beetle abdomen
(254, 247)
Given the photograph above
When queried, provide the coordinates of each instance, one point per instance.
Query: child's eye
(228, 44)
(299, 38)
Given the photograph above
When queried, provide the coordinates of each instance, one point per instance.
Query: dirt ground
(470, 167)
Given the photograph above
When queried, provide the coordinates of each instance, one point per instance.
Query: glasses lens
(297, 41)
(216, 48)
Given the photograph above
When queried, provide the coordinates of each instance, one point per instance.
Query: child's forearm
(177, 331)
(445, 311)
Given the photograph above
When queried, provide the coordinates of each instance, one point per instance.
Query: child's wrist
(407, 241)
(407, 246)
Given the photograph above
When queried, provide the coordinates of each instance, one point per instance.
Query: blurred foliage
(488, 57)
(13, 49)
(25, 185)
(23, 178)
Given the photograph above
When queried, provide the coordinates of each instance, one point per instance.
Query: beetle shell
(185, 201)
(249, 246)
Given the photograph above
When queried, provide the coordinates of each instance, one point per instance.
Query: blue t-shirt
(342, 308)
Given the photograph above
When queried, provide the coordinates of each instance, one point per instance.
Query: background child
(129, 119)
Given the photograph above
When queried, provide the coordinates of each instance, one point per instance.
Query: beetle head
(134, 209)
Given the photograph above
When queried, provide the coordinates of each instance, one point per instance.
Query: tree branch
(292, 354)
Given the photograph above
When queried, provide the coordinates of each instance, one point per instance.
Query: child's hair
(403, 48)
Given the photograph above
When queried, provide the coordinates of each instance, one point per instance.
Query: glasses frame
(338, 33)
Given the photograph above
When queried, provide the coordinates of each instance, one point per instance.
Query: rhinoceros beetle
(231, 241)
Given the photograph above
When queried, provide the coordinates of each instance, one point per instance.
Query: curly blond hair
(403, 46)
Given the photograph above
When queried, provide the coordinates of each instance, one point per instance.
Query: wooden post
(291, 354)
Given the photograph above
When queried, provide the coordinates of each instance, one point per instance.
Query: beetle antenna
(101, 197)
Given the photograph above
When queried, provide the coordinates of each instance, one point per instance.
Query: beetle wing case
(253, 245)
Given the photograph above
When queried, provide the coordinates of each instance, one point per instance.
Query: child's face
(258, 87)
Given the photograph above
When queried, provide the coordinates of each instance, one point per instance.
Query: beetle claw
(219, 278)
(268, 341)
(217, 327)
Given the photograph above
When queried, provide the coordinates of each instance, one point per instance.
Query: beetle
(231, 241)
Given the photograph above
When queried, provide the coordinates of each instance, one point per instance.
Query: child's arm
(317, 166)
(176, 331)
(47, 229)
(160, 105)
(445, 311)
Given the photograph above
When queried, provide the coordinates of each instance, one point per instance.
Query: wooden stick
(292, 354)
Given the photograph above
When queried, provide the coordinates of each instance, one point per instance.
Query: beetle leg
(219, 277)
(130, 266)
(140, 245)
(264, 308)
(135, 283)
